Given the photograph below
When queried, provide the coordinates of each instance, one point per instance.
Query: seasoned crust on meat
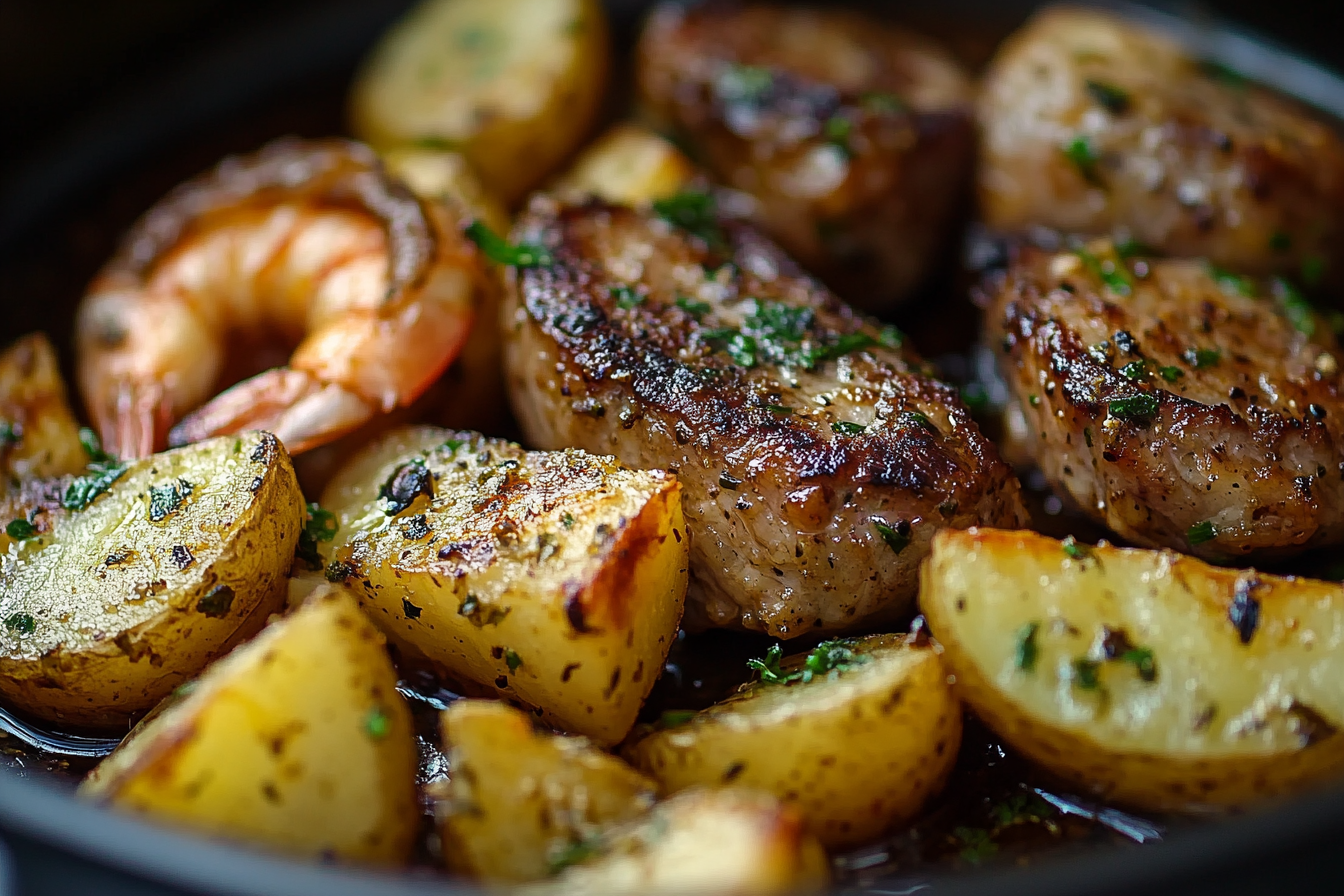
(817, 457)
(855, 136)
(1201, 412)
(1091, 124)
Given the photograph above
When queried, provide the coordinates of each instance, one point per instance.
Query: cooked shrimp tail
(308, 241)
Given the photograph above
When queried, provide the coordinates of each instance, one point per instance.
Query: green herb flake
(845, 428)
(675, 718)
(743, 84)
(573, 853)
(20, 529)
(977, 844)
(166, 499)
(1108, 96)
(81, 492)
(1232, 284)
(897, 537)
(1141, 658)
(975, 397)
(768, 668)
(1087, 674)
(1132, 248)
(1170, 374)
(1141, 408)
(1135, 370)
(891, 337)
(567, 521)
(1075, 550)
(512, 659)
(913, 419)
(377, 724)
(1295, 306)
(1201, 532)
(93, 447)
(321, 525)
(1034, 400)
(1202, 358)
(1224, 74)
(625, 296)
(23, 623)
(1083, 154)
(10, 434)
(1113, 277)
(694, 212)
(782, 410)
(1026, 650)
(881, 102)
(830, 658)
(837, 131)
(692, 307)
(501, 251)
(1021, 808)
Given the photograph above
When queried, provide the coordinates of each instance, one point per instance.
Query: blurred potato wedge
(137, 575)
(521, 801)
(39, 437)
(513, 85)
(447, 177)
(730, 842)
(297, 741)
(627, 165)
(858, 747)
(1147, 677)
(555, 579)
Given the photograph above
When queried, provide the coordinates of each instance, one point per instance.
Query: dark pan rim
(303, 45)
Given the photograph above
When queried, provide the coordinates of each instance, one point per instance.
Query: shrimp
(308, 243)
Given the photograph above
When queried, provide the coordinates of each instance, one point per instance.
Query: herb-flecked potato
(297, 741)
(135, 576)
(39, 437)
(556, 579)
(522, 801)
(513, 85)
(858, 734)
(1150, 678)
(733, 841)
(627, 165)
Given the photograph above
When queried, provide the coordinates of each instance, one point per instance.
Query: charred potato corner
(757, 602)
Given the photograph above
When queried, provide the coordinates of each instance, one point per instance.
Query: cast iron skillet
(59, 845)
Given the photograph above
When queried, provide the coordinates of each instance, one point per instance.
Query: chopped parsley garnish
(93, 447)
(479, 614)
(975, 397)
(1130, 248)
(743, 84)
(692, 307)
(882, 102)
(1087, 674)
(977, 844)
(23, 623)
(828, 657)
(1170, 374)
(377, 724)
(501, 251)
(625, 296)
(1141, 658)
(675, 718)
(9, 434)
(1232, 284)
(20, 529)
(1141, 408)
(166, 499)
(1135, 370)
(1112, 276)
(897, 537)
(512, 660)
(891, 337)
(1021, 808)
(837, 132)
(845, 428)
(1026, 651)
(572, 853)
(780, 409)
(1294, 305)
(1202, 358)
(1034, 400)
(81, 492)
(769, 666)
(1224, 73)
(567, 521)
(1201, 532)
(1110, 97)
(1075, 550)
(1084, 157)
(692, 211)
(916, 419)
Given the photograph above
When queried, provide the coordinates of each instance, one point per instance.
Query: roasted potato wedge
(556, 579)
(1150, 678)
(521, 801)
(297, 741)
(730, 842)
(858, 746)
(447, 177)
(39, 437)
(136, 576)
(513, 85)
(627, 165)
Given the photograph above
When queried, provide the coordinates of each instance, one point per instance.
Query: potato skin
(857, 755)
(1245, 699)
(297, 741)
(518, 797)
(555, 579)
(40, 438)
(123, 607)
(732, 840)
(513, 85)
(854, 136)
(1188, 161)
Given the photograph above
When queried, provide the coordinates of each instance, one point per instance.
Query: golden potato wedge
(1150, 678)
(522, 801)
(297, 741)
(447, 177)
(730, 842)
(627, 165)
(858, 747)
(556, 579)
(138, 575)
(513, 85)
(39, 437)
